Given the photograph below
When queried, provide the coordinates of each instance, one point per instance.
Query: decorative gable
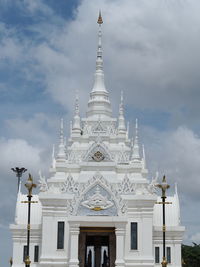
(97, 152)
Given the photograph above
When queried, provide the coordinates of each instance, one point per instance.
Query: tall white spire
(136, 152)
(61, 148)
(121, 125)
(77, 121)
(99, 102)
(143, 157)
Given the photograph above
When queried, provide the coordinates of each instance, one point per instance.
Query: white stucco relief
(97, 201)
(80, 190)
(42, 183)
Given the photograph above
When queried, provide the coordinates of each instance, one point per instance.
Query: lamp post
(19, 172)
(29, 185)
(163, 186)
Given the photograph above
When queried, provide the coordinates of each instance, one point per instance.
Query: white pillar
(120, 234)
(74, 236)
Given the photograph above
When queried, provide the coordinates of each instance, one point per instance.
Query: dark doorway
(97, 247)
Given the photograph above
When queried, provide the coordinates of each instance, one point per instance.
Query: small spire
(77, 122)
(53, 156)
(136, 153)
(176, 189)
(77, 103)
(127, 131)
(132, 142)
(61, 132)
(100, 20)
(144, 157)
(53, 152)
(121, 126)
(61, 147)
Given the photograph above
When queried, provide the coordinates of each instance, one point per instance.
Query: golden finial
(30, 185)
(100, 21)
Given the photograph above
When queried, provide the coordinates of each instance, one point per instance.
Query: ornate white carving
(100, 149)
(99, 127)
(123, 157)
(97, 201)
(152, 186)
(69, 186)
(97, 179)
(42, 183)
(126, 187)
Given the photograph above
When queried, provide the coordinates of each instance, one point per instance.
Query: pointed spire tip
(100, 20)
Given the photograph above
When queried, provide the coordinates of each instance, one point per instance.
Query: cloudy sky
(151, 51)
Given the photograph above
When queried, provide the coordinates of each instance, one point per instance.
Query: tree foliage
(191, 255)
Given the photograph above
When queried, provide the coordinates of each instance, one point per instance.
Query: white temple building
(98, 207)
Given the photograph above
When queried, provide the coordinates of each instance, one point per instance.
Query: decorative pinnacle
(121, 125)
(77, 103)
(61, 132)
(30, 185)
(136, 153)
(121, 106)
(100, 20)
(163, 186)
(61, 147)
(144, 156)
(136, 129)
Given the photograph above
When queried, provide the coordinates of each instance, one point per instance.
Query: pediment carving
(97, 201)
(105, 199)
(97, 152)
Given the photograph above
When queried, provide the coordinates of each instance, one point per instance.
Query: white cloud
(17, 152)
(176, 153)
(38, 129)
(151, 50)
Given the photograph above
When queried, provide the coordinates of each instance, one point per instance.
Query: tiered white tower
(98, 207)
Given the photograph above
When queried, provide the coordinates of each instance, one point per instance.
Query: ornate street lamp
(29, 185)
(19, 172)
(163, 186)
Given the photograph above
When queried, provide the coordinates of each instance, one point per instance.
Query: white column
(120, 234)
(74, 236)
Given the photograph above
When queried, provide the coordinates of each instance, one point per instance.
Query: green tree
(191, 255)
